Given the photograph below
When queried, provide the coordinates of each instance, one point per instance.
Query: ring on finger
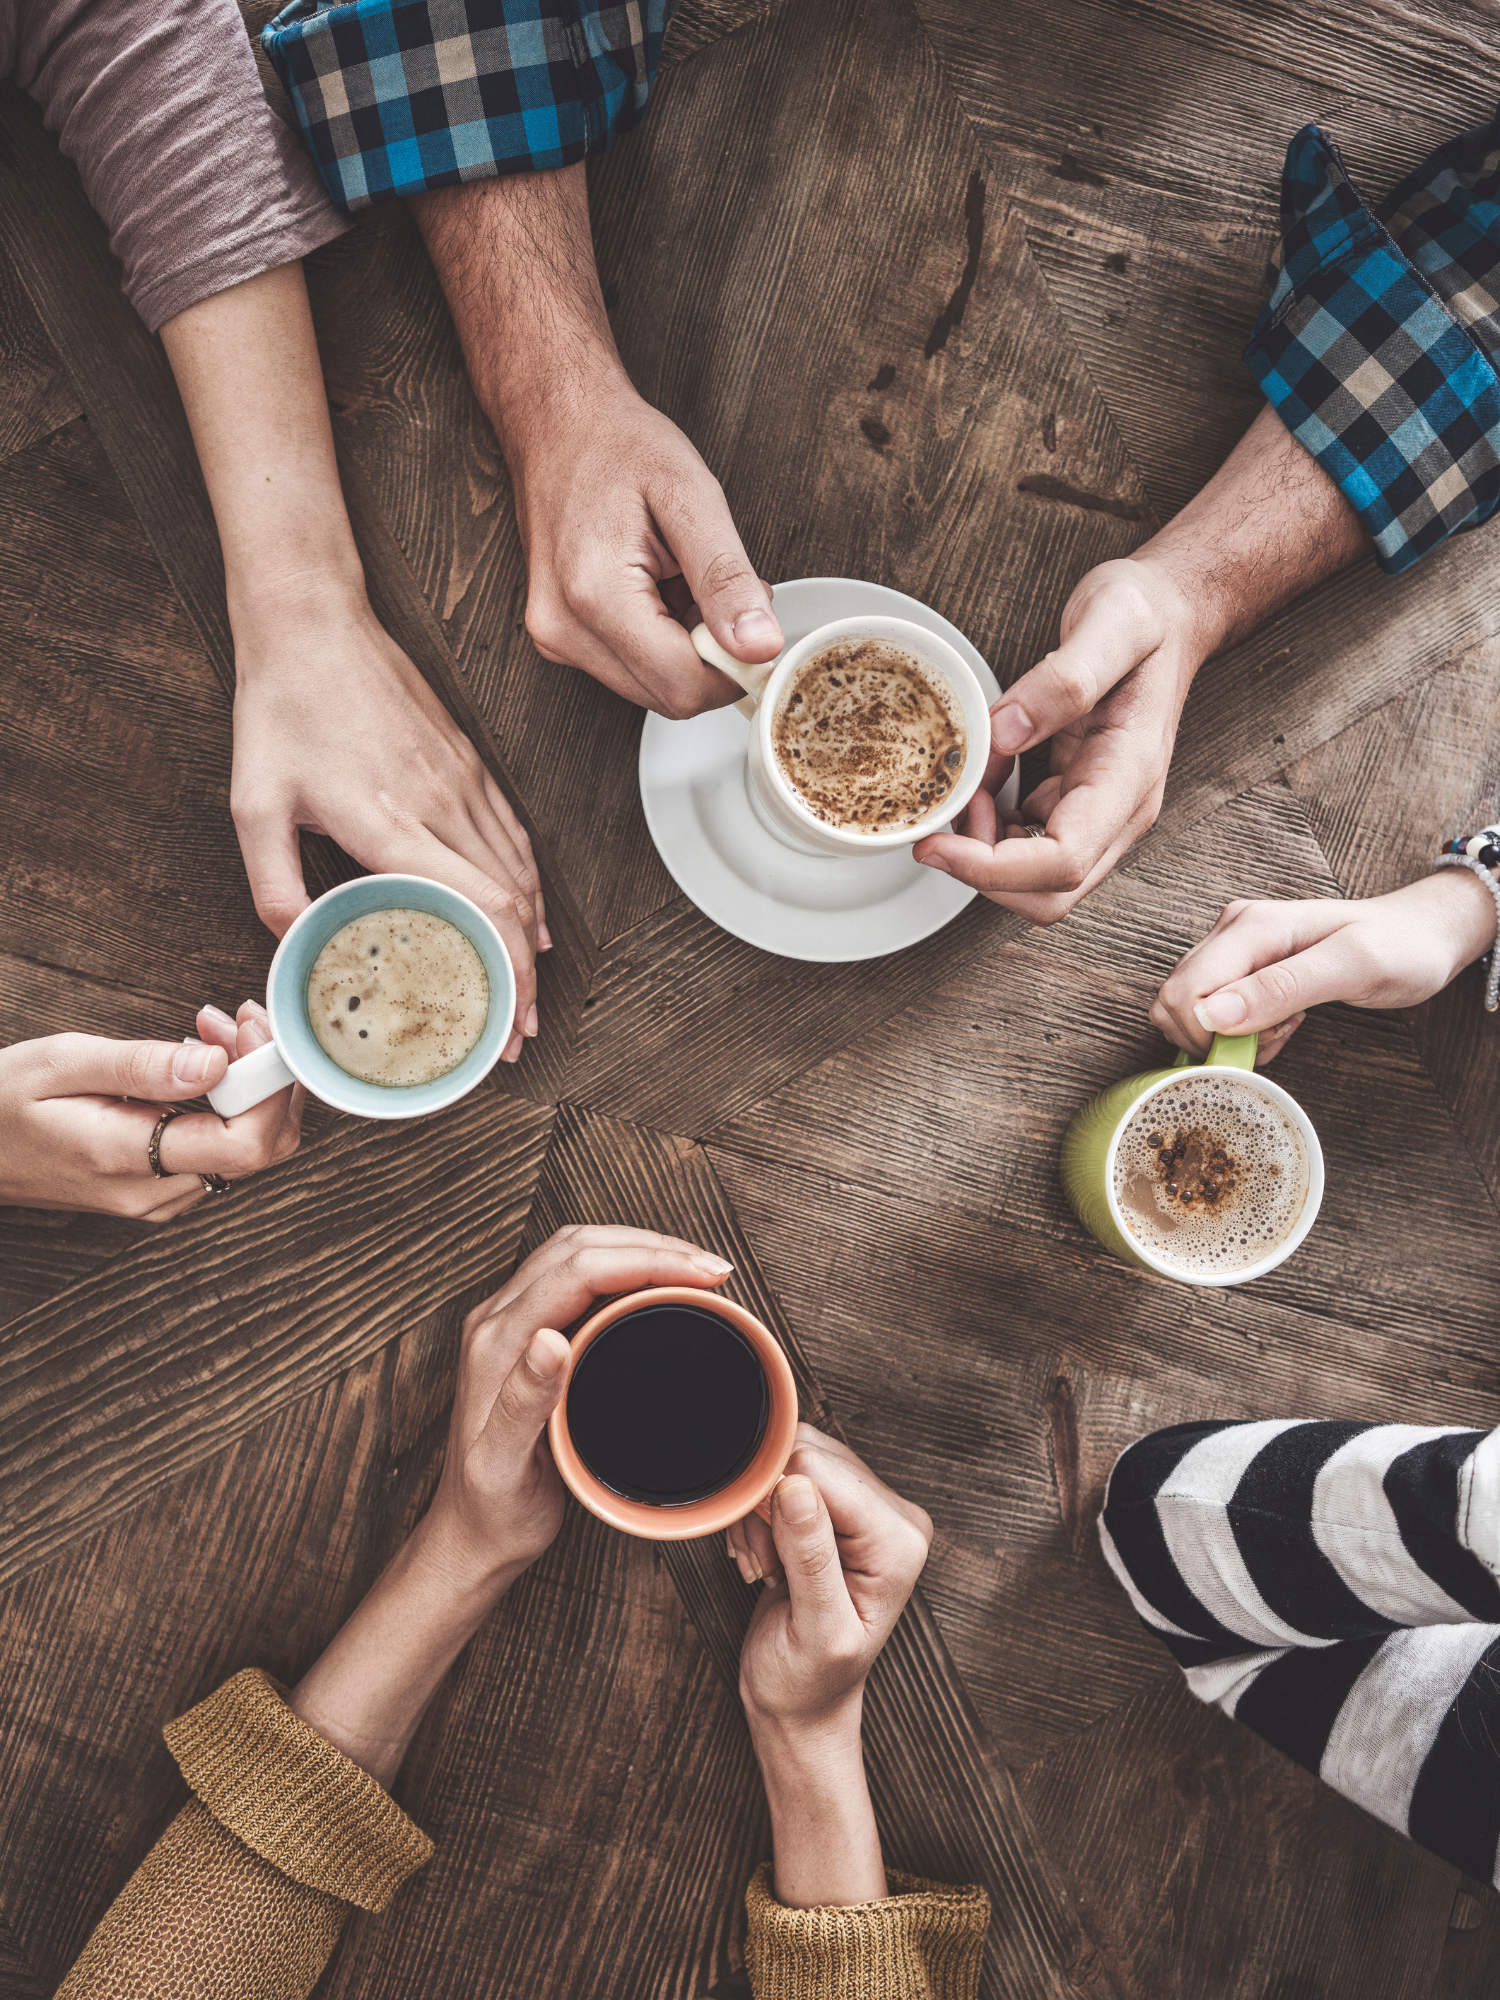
(216, 1184)
(1035, 830)
(153, 1145)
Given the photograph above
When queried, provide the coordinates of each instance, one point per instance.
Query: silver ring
(216, 1184)
(1034, 831)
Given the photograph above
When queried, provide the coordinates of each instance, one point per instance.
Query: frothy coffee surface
(868, 737)
(398, 997)
(1210, 1176)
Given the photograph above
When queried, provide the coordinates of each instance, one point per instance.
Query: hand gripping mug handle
(250, 1081)
(751, 679)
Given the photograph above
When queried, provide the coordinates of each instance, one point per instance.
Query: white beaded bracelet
(1477, 867)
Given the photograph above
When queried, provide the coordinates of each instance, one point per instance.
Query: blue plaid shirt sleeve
(395, 96)
(1379, 343)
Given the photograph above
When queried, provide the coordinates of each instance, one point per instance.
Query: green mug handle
(1225, 1052)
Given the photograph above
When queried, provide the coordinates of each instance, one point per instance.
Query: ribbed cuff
(291, 1797)
(925, 1941)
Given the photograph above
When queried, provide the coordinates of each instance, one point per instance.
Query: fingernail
(542, 1358)
(797, 1500)
(936, 862)
(1221, 1011)
(218, 1014)
(715, 1264)
(1010, 728)
(543, 937)
(190, 1064)
(749, 1569)
(756, 628)
(512, 1050)
(531, 1020)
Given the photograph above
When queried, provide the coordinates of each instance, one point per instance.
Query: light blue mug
(294, 1055)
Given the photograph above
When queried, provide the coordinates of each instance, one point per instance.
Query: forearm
(369, 1690)
(515, 258)
(824, 1836)
(1268, 526)
(268, 458)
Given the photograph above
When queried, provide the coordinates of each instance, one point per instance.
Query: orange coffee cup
(747, 1492)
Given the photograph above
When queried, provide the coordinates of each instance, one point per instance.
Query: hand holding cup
(77, 1113)
(1264, 964)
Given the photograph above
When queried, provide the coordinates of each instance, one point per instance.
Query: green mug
(1092, 1140)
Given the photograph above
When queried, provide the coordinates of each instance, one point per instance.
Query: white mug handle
(751, 679)
(250, 1081)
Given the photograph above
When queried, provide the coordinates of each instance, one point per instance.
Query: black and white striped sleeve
(1333, 1586)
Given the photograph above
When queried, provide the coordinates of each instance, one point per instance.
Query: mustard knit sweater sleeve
(246, 1892)
(925, 1941)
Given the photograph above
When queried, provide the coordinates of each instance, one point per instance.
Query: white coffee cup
(779, 802)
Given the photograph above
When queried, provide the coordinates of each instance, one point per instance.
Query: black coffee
(668, 1405)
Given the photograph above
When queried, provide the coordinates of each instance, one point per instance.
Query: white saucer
(823, 908)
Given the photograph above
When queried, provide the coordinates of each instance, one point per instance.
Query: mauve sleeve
(160, 104)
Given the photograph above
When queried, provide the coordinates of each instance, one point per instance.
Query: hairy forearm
(267, 452)
(1270, 524)
(824, 1837)
(515, 258)
(370, 1688)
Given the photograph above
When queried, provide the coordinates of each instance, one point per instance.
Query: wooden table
(950, 296)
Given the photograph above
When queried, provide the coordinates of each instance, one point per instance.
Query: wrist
(1193, 613)
(569, 393)
(1468, 912)
(300, 598)
(802, 1752)
(474, 1574)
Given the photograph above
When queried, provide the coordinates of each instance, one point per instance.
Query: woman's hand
(499, 1501)
(336, 732)
(840, 1559)
(77, 1113)
(1264, 964)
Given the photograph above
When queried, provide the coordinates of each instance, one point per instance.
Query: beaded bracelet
(1480, 854)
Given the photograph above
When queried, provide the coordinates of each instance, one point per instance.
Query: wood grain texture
(193, 1336)
(1147, 166)
(945, 1806)
(989, 270)
(36, 396)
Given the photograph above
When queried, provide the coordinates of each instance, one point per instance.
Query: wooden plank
(194, 1336)
(36, 397)
(1147, 168)
(946, 1806)
(1258, 1880)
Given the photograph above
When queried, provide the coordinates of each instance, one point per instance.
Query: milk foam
(398, 997)
(1243, 1163)
(871, 739)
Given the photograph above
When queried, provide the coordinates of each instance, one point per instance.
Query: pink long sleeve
(160, 105)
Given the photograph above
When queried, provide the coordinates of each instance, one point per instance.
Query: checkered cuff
(394, 96)
(1375, 346)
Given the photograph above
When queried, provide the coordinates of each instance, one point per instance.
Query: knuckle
(1281, 984)
(547, 626)
(1073, 684)
(722, 571)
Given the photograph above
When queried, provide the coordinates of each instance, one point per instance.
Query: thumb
(530, 1392)
(735, 604)
(156, 1072)
(273, 862)
(1114, 630)
(1329, 970)
(809, 1555)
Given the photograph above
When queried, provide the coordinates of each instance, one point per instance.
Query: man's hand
(77, 1113)
(1264, 964)
(1109, 697)
(628, 537)
(336, 732)
(1268, 525)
